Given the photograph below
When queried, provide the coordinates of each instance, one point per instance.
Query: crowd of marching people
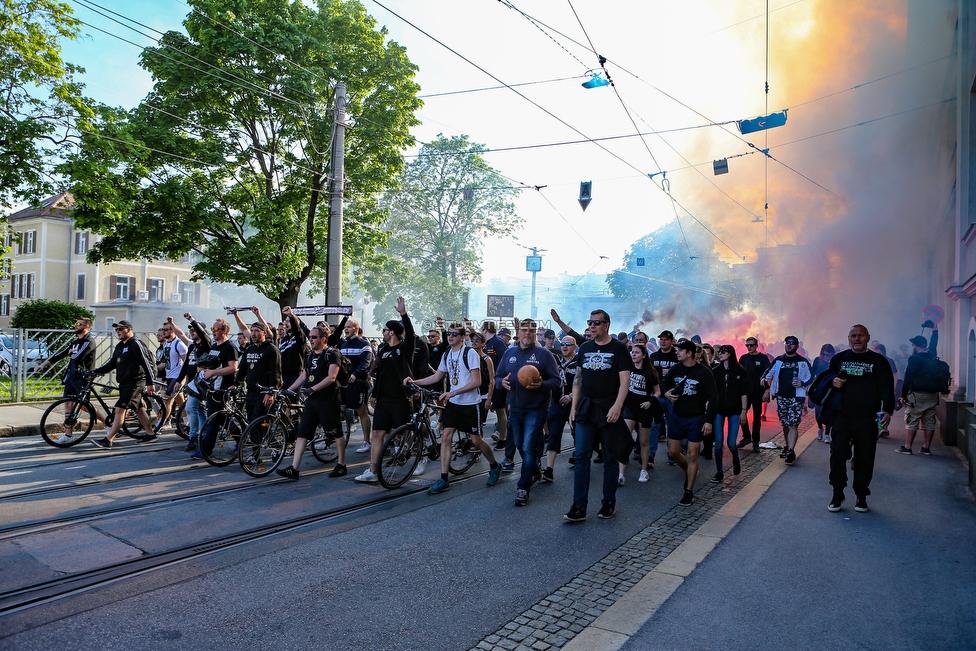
(619, 396)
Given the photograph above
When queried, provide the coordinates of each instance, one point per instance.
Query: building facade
(49, 261)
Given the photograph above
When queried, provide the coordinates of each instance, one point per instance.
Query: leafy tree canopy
(449, 199)
(44, 314)
(230, 153)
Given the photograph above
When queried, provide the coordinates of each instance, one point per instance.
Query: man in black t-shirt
(690, 389)
(223, 354)
(82, 358)
(260, 367)
(318, 378)
(599, 390)
(867, 388)
(755, 365)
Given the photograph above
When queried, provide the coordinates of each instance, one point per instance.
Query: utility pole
(533, 263)
(337, 165)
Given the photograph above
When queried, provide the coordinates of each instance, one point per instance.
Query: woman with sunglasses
(732, 383)
(642, 410)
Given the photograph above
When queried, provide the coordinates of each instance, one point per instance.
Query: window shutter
(113, 287)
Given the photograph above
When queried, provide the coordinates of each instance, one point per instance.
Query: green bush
(55, 315)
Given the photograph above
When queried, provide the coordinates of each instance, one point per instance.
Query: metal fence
(23, 349)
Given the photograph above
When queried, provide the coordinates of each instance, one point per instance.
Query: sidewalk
(782, 572)
(21, 419)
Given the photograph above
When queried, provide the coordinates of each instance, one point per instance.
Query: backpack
(932, 375)
(345, 369)
(820, 389)
(150, 360)
(485, 377)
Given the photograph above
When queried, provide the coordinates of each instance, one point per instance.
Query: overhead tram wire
(666, 94)
(478, 90)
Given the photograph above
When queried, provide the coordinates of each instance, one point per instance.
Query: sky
(844, 193)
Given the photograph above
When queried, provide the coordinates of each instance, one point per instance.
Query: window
(190, 292)
(80, 288)
(30, 285)
(4, 304)
(81, 242)
(122, 288)
(22, 285)
(156, 289)
(30, 242)
(18, 239)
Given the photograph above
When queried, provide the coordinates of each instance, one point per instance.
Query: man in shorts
(360, 356)
(461, 364)
(134, 375)
(787, 379)
(82, 358)
(922, 400)
(689, 388)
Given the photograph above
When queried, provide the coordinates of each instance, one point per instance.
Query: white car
(10, 361)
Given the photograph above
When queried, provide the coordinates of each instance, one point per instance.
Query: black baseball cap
(122, 324)
(666, 333)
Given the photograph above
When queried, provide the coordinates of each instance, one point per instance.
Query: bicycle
(82, 415)
(230, 421)
(406, 445)
(266, 440)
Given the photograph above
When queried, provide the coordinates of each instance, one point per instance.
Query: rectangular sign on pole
(501, 305)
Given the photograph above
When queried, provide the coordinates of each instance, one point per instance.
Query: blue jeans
(525, 433)
(719, 430)
(652, 440)
(585, 435)
(196, 412)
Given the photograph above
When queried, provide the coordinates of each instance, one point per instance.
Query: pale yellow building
(49, 261)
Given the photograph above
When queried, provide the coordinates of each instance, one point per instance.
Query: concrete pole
(334, 272)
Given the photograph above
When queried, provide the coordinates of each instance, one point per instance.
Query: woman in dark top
(642, 408)
(733, 387)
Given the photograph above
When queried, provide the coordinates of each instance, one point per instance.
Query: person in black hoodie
(732, 384)
(134, 375)
(867, 385)
(260, 366)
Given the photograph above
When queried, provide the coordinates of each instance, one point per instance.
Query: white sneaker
(643, 477)
(367, 477)
(421, 467)
(363, 448)
(61, 438)
(322, 446)
(621, 480)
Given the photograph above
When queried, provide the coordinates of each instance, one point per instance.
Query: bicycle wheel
(463, 453)
(263, 446)
(82, 416)
(401, 454)
(324, 446)
(229, 430)
(180, 426)
(131, 425)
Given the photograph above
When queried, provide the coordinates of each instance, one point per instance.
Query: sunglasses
(564, 345)
(751, 345)
(792, 343)
(431, 336)
(593, 322)
(453, 334)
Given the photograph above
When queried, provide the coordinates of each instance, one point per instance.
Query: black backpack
(345, 369)
(932, 375)
(485, 377)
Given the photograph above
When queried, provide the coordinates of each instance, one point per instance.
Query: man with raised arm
(391, 405)
(82, 358)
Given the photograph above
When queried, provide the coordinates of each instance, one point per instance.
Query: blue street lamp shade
(762, 123)
(596, 80)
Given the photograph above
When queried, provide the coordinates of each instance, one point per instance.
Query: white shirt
(459, 375)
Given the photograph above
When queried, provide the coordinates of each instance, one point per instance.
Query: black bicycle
(230, 422)
(81, 414)
(420, 437)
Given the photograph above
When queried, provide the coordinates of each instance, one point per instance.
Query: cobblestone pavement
(557, 618)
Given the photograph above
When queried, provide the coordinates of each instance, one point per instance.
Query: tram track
(46, 592)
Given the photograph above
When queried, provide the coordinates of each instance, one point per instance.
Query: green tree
(44, 314)
(39, 98)
(435, 231)
(234, 161)
(677, 262)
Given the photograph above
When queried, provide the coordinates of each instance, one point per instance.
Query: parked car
(10, 360)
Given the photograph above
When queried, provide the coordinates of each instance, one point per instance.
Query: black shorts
(499, 398)
(319, 412)
(172, 387)
(72, 385)
(463, 418)
(130, 395)
(355, 395)
(642, 416)
(389, 415)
